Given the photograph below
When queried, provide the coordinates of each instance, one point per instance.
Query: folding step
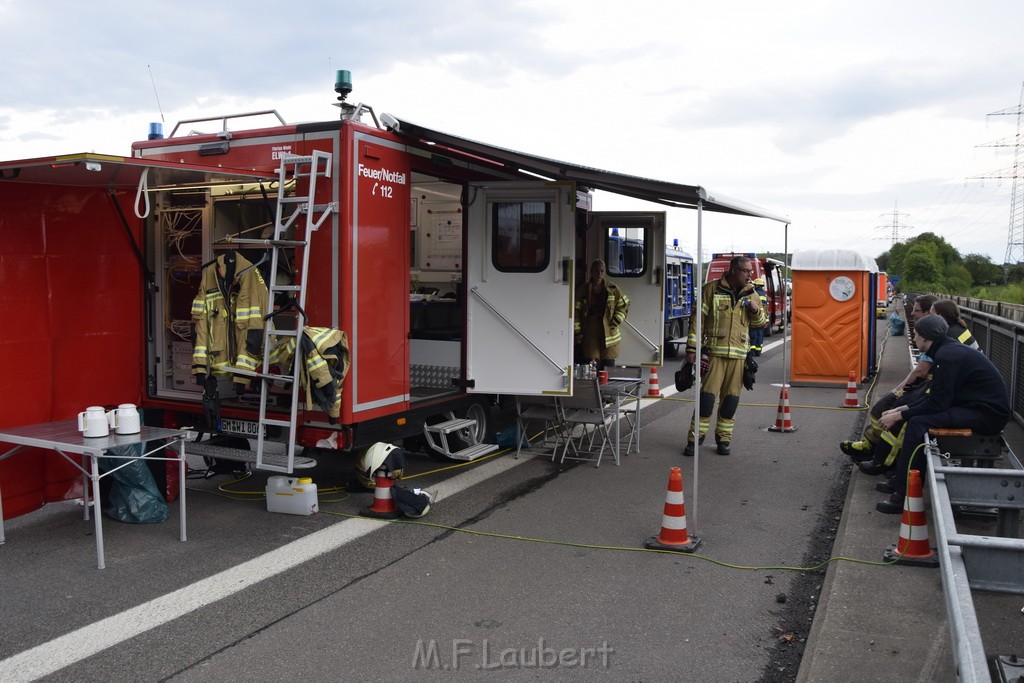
(474, 452)
(450, 426)
(243, 455)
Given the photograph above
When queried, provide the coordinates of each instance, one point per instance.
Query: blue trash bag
(506, 438)
(897, 325)
(134, 497)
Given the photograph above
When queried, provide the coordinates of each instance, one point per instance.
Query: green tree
(922, 269)
(982, 270)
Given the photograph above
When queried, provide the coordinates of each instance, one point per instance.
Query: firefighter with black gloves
(730, 309)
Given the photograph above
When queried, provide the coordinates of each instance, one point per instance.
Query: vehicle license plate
(243, 427)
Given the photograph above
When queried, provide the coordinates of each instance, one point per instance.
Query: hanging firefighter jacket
(325, 361)
(228, 312)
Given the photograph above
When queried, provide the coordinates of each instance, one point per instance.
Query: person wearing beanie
(875, 453)
(967, 392)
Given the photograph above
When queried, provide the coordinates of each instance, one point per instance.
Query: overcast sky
(829, 113)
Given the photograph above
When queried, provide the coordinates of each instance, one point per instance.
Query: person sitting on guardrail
(950, 312)
(874, 453)
(966, 392)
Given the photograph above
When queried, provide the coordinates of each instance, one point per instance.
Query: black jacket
(961, 377)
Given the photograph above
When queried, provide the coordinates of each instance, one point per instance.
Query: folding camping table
(64, 437)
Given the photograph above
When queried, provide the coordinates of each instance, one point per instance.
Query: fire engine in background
(437, 270)
(775, 286)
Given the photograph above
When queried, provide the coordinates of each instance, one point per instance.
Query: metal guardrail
(1002, 340)
(970, 562)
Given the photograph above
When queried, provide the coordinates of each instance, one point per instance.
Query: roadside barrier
(383, 502)
(851, 400)
(783, 422)
(653, 390)
(674, 535)
(913, 547)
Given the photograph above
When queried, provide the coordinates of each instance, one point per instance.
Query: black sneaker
(688, 451)
(724, 448)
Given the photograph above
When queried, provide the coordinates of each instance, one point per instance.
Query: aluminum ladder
(302, 213)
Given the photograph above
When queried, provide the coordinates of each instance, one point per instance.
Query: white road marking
(86, 641)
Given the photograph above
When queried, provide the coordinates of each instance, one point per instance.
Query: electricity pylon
(1015, 235)
(895, 226)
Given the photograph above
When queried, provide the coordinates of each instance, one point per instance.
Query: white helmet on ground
(380, 456)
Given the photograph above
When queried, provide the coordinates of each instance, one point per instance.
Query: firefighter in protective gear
(730, 308)
(601, 307)
(757, 333)
(228, 313)
(381, 456)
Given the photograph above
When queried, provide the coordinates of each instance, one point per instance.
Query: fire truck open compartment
(449, 264)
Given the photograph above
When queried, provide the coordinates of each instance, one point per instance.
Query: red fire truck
(772, 271)
(449, 264)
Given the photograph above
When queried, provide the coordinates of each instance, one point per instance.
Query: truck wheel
(674, 332)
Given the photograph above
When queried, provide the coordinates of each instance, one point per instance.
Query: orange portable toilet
(833, 316)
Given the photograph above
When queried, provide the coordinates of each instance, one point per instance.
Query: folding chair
(632, 414)
(543, 409)
(585, 408)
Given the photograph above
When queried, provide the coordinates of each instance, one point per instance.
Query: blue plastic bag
(897, 325)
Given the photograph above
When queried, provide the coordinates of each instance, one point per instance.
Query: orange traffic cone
(383, 502)
(783, 423)
(653, 391)
(851, 393)
(673, 534)
(913, 547)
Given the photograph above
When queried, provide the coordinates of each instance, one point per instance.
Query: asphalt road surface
(523, 570)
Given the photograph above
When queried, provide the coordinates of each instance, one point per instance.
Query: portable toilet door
(833, 316)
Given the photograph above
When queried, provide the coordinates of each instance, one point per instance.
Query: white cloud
(829, 112)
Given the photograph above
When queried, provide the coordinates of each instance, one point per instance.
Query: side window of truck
(625, 252)
(521, 236)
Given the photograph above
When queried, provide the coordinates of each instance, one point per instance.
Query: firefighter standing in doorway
(730, 309)
(601, 307)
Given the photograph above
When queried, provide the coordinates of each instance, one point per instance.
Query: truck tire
(674, 332)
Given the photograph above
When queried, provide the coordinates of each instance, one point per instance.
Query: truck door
(632, 245)
(519, 289)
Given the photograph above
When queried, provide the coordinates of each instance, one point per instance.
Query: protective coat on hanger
(228, 313)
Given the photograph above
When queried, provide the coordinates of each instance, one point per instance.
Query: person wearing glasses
(877, 451)
(730, 308)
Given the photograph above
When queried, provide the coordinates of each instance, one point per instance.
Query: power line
(1015, 233)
